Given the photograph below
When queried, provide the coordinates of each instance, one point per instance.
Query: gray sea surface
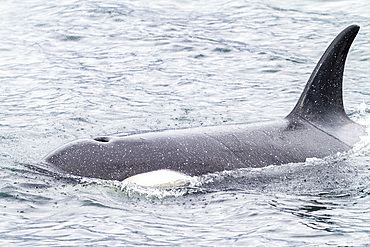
(83, 68)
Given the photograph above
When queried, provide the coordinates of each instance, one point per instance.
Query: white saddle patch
(159, 179)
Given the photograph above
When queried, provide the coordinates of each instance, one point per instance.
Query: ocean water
(83, 68)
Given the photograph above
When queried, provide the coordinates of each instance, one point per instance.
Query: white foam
(160, 179)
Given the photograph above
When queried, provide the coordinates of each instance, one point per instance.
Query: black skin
(317, 127)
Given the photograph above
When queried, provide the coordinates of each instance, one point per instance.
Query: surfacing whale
(317, 127)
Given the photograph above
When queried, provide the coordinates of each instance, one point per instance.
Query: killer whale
(316, 127)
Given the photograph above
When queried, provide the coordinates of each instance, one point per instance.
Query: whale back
(317, 127)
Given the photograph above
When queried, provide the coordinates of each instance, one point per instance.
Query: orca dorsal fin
(322, 100)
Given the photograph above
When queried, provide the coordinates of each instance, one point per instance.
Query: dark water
(77, 69)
